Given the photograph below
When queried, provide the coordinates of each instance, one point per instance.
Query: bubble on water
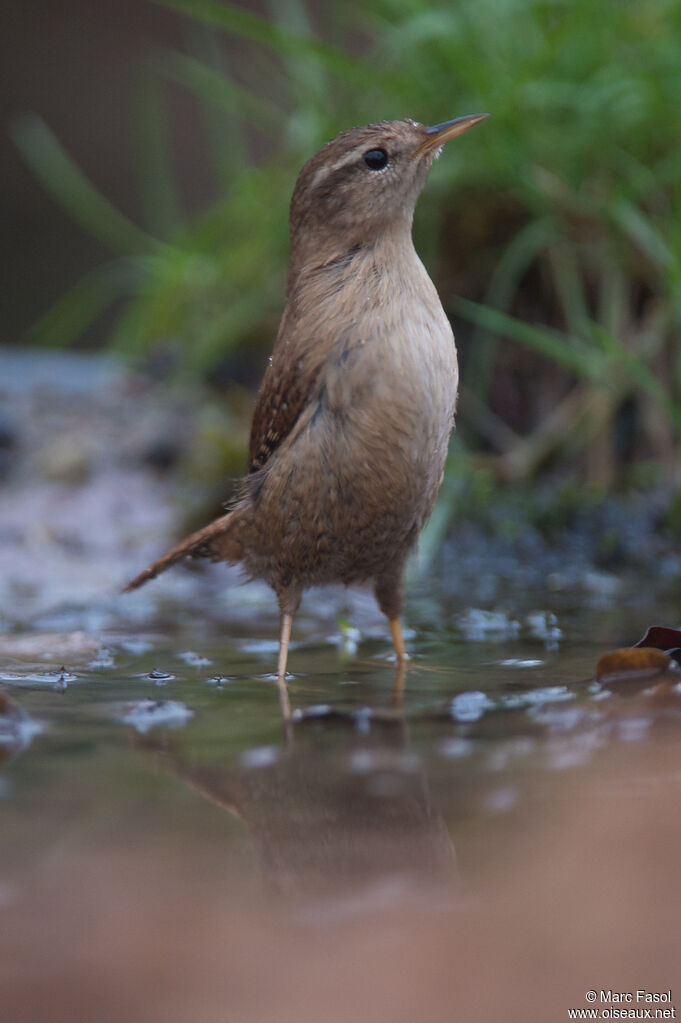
(602, 585)
(146, 714)
(57, 679)
(316, 710)
(136, 647)
(18, 730)
(260, 646)
(194, 659)
(562, 719)
(633, 729)
(456, 747)
(478, 625)
(470, 706)
(362, 718)
(572, 751)
(518, 662)
(500, 800)
(543, 625)
(160, 678)
(500, 759)
(537, 697)
(259, 756)
(362, 761)
(218, 681)
(104, 659)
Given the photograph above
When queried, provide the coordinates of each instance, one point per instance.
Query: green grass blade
(584, 363)
(216, 89)
(567, 273)
(639, 373)
(251, 26)
(76, 310)
(641, 231)
(159, 197)
(524, 248)
(57, 172)
(223, 130)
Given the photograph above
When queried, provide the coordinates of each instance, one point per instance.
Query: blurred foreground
(153, 914)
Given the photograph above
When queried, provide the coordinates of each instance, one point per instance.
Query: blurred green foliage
(559, 219)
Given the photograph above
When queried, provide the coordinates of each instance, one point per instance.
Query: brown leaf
(632, 664)
(661, 637)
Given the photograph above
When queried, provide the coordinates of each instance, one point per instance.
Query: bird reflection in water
(341, 809)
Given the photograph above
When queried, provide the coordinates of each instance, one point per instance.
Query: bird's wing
(292, 380)
(316, 324)
(276, 413)
(288, 386)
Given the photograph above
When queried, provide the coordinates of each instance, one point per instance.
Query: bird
(353, 417)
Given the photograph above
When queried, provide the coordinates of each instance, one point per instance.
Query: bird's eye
(376, 159)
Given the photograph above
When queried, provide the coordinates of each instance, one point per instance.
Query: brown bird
(353, 417)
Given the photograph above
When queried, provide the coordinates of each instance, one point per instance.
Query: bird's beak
(441, 133)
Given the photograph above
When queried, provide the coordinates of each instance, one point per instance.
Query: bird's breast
(393, 364)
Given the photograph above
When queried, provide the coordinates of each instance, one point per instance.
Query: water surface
(490, 843)
(154, 802)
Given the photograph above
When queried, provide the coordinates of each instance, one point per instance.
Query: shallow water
(152, 774)
(490, 841)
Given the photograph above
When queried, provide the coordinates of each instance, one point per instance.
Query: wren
(353, 417)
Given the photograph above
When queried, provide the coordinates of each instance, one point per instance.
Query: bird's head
(366, 181)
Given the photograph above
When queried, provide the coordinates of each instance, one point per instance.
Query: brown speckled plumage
(353, 417)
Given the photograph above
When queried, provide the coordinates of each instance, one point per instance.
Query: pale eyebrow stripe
(327, 169)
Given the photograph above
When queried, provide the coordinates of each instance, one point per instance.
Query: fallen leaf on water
(632, 664)
(660, 637)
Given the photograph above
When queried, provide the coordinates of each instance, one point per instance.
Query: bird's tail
(217, 541)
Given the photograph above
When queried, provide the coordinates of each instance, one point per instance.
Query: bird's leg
(389, 590)
(284, 638)
(398, 638)
(289, 600)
